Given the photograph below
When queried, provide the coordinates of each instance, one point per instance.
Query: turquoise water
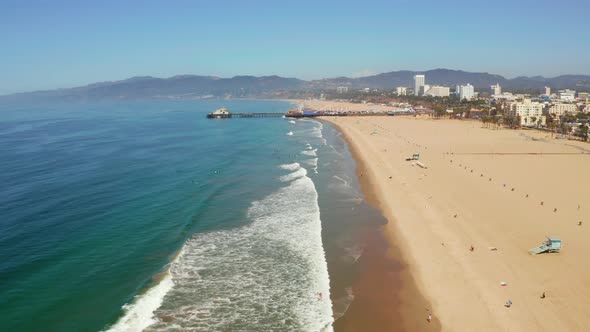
(134, 216)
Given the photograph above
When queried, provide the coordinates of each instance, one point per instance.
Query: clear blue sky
(55, 44)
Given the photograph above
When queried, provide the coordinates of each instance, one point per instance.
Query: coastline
(386, 295)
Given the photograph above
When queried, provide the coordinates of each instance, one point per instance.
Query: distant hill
(182, 86)
(447, 77)
(193, 86)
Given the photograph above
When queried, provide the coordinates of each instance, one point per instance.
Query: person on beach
(320, 296)
(508, 303)
(429, 317)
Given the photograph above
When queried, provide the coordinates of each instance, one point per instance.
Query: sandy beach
(486, 188)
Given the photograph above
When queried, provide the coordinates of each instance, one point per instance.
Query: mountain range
(193, 86)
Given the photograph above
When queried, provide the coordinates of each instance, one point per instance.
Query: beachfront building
(567, 95)
(547, 91)
(496, 89)
(342, 89)
(530, 113)
(419, 81)
(505, 96)
(560, 109)
(466, 92)
(401, 90)
(438, 91)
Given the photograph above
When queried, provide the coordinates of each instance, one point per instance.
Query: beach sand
(484, 188)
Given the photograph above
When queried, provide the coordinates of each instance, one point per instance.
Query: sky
(60, 44)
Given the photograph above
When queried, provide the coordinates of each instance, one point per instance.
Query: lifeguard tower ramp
(552, 244)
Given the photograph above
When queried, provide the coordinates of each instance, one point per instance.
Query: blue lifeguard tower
(551, 244)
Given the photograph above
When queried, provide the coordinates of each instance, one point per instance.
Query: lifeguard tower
(551, 244)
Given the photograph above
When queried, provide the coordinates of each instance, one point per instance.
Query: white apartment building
(505, 96)
(401, 90)
(530, 113)
(561, 109)
(496, 89)
(567, 95)
(342, 89)
(466, 92)
(547, 91)
(419, 81)
(438, 91)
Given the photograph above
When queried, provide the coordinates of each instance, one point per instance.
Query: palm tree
(584, 132)
(485, 119)
(552, 126)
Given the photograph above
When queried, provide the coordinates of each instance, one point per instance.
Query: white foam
(290, 133)
(293, 122)
(140, 313)
(263, 276)
(290, 167)
(310, 152)
(295, 175)
(313, 163)
(342, 181)
(318, 130)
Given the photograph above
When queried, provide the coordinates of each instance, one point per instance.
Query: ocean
(145, 215)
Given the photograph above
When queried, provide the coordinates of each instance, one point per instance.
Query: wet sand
(385, 295)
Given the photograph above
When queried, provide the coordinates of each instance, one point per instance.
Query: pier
(245, 115)
(225, 114)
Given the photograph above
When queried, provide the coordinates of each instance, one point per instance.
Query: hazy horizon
(319, 78)
(61, 45)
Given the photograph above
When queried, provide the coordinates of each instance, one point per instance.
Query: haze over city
(48, 45)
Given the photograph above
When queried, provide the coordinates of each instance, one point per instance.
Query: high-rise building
(419, 81)
(342, 89)
(547, 91)
(466, 92)
(401, 90)
(496, 89)
(438, 91)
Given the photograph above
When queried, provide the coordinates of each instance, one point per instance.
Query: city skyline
(61, 45)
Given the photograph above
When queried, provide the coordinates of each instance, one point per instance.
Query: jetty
(246, 115)
(223, 113)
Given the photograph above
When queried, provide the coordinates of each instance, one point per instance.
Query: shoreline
(386, 295)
